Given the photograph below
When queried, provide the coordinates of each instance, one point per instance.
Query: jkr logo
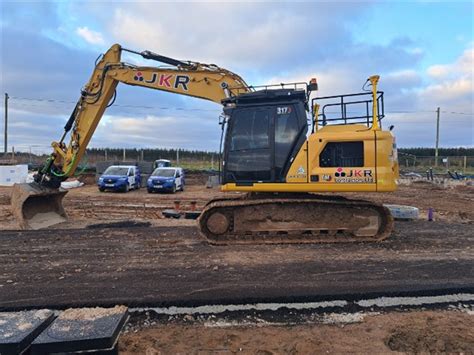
(138, 76)
(353, 173)
(165, 80)
(340, 173)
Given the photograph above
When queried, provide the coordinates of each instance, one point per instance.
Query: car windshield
(164, 172)
(116, 170)
(162, 163)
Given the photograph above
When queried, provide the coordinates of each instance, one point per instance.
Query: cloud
(58, 72)
(150, 131)
(90, 36)
(452, 83)
(263, 42)
(258, 38)
(406, 78)
(463, 65)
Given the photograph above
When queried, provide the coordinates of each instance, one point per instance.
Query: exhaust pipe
(35, 206)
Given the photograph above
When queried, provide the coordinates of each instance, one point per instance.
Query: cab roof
(267, 96)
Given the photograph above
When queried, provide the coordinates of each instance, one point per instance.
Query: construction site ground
(117, 248)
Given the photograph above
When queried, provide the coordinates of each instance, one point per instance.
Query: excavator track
(287, 218)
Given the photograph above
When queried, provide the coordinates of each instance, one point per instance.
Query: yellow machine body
(379, 172)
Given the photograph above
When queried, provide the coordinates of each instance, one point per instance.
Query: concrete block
(19, 329)
(13, 174)
(82, 329)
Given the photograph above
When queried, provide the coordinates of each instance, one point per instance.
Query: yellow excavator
(278, 145)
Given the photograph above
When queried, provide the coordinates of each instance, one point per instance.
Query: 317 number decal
(283, 110)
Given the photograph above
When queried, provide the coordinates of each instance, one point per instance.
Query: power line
(201, 109)
(115, 105)
(459, 113)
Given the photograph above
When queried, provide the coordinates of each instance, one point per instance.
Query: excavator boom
(39, 204)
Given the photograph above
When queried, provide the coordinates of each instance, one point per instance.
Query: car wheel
(182, 187)
(126, 188)
(173, 190)
(101, 189)
(149, 191)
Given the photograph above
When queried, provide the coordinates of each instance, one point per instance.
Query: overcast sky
(423, 51)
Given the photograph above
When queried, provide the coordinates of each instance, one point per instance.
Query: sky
(422, 50)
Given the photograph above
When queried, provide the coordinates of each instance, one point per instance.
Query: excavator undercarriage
(293, 218)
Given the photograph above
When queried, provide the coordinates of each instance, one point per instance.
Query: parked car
(166, 179)
(120, 178)
(161, 163)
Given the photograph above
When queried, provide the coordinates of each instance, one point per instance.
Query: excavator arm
(194, 79)
(39, 204)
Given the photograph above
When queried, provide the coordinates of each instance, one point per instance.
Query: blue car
(120, 178)
(166, 179)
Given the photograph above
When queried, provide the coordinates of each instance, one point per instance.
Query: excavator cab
(265, 131)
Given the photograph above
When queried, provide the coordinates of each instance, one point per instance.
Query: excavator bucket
(35, 206)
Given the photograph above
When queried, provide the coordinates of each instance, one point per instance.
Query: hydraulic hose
(68, 170)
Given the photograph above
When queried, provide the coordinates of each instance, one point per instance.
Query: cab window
(250, 130)
(249, 157)
(342, 154)
(286, 132)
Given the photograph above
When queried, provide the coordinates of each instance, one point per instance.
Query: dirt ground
(437, 331)
(86, 205)
(394, 332)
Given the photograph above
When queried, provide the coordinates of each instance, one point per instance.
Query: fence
(460, 163)
(35, 158)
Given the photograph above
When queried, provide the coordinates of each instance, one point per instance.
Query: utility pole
(6, 125)
(177, 156)
(437, 137)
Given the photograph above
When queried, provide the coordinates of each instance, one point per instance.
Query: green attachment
(66, 173)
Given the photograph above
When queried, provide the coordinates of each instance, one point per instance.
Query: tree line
(152, 154)
(163, 153)
(443, 152)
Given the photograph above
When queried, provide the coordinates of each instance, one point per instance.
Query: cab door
(248, 146)
(262, 141)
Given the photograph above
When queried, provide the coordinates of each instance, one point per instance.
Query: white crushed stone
(90, 314)
(345, 318)
(214, 309)
(25, 326)
(415, 301)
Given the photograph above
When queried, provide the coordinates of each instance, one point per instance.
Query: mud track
(160, 266)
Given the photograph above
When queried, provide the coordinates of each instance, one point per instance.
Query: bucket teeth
(35, 206)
